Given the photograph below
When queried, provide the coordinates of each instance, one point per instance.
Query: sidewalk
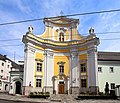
(5, 96)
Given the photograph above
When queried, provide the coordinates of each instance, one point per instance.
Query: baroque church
(60, 60)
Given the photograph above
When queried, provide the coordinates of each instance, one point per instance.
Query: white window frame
(83, 68)
(39, 67)
(112, 85)
(39, 85)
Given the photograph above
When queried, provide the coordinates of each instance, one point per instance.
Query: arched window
(61, 37)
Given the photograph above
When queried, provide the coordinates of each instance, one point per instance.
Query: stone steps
(63, 98)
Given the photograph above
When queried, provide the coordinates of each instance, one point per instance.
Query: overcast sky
(16, 10)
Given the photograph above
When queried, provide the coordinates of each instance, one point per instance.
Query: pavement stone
(52, 99)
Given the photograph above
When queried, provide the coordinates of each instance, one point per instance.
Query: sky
(17, 10)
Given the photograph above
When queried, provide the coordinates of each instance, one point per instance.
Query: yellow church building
(60, 60)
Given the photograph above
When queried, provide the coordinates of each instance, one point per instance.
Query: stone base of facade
(90, 90)
(27, 90)
(48, 89)
(74, 90)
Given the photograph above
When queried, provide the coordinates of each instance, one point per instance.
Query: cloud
(108, 22)
(15, 10)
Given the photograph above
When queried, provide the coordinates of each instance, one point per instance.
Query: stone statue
(30, 29)
(107, 88)
(91, 31)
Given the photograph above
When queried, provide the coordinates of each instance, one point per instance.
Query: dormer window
(61, 37)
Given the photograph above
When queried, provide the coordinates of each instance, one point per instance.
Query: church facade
(60, 60)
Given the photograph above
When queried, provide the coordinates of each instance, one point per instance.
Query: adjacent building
(5, 65)
(16, 79)
(108, 70)
(11, 76)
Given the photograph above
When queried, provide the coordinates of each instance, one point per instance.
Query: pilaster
(29, 60)
(74, 69)
(92, 66)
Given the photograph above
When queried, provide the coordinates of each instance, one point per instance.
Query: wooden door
(61, 88)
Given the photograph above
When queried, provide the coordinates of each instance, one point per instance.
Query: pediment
(61, 20)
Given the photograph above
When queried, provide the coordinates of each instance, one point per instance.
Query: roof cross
(61, 13)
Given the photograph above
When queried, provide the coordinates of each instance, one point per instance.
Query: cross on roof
(61, 13)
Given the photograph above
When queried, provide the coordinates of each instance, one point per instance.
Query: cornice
(45, 43)
(66, 21)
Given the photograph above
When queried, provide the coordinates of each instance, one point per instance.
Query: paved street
(4, 101)
(7, 101)
(5, 98)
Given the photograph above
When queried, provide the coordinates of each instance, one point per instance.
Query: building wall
(106, 76)
(16, 76)
(66, 65)
(4, 74)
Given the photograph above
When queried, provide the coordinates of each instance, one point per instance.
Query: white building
(11, 76)
(16, 79)
(5, 65)
(108, 69)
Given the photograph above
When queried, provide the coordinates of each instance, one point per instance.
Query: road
(6, 101)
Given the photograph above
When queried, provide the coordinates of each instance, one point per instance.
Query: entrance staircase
(63, 98)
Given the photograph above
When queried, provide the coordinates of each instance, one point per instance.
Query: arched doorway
(60, 84)
(18, 87)
(6, 85)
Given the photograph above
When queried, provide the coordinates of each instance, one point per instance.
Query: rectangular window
(2, 64)
(39, 67)
(99, 69)
(1, 77)
(7, 77)
(61, 68)
(83, 67)
(8, 66)
(111, 69)
(112, 85)
(1, 71)
(0, 83)
(38, 82)
(83, 83)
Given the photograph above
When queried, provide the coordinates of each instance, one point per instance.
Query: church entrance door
(61, 87)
